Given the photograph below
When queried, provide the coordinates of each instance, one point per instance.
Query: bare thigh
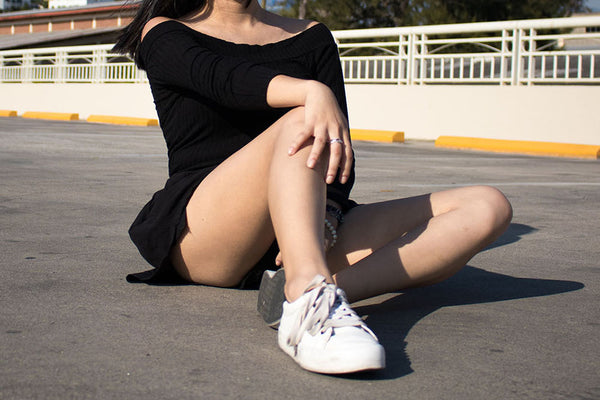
(370, 227)
(228, 224)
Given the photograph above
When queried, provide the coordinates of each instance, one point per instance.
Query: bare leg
(416, 241)
(260, 191)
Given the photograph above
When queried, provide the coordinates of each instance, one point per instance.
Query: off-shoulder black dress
(210, 96)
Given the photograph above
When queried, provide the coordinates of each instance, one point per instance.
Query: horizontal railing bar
(566, 36)
(369, 44)
(556, 23)
(496, 39)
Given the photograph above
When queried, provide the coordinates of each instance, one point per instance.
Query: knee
(293, 121)
(492, 210)
(292, 130)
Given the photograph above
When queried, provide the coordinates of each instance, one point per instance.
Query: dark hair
(131, 36)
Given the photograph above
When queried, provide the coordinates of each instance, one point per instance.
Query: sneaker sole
(338, 367)
(271, 296)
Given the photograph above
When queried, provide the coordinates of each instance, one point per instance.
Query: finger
(348, 160)
(336, 152)
(278, 260)
(299, 140)
(317, 148)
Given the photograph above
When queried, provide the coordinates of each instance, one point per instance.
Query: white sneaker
(323, 334)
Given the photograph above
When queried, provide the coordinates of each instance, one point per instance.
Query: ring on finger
(337, 140)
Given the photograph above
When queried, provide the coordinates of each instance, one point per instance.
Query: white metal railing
(77, 64)
(546, 51)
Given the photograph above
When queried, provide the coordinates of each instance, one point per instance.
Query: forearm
(285, 91)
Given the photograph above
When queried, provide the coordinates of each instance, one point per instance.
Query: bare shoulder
(152, 23)
(291, 25)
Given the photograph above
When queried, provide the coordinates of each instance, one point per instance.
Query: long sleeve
(172, 57)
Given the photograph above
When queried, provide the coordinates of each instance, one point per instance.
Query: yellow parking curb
(377, 136)
(110, 119)
(520, 146)
(8, 113)
(51, 115)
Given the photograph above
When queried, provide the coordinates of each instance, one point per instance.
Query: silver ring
(338, 140)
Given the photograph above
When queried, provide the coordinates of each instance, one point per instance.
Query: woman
(253, 110)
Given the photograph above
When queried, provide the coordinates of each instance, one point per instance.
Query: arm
(173, 57)
(324, 120)
(327, 69)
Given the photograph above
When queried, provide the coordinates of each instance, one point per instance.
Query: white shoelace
(327, 308)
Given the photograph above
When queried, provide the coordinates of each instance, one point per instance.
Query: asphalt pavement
(520, 321)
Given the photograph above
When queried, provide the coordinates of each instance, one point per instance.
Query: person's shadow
(394, 318)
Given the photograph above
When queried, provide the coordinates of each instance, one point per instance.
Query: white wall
(564, 114)
(119, 99)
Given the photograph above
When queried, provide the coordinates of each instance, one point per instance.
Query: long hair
(130, 37)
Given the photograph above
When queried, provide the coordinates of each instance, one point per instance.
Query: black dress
(210, 96)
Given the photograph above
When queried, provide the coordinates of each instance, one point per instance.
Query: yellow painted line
(110, 119)
(51, 115)
(377, 136)
(520, 146)
(8, 113)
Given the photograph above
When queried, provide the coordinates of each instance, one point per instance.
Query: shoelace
(327, 308)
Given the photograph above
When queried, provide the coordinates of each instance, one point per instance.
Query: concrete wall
(119, 99)
(564, 114)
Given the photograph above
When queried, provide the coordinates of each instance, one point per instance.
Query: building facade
(96, 23)
(72, 3)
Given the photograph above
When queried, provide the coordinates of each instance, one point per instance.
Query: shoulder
(296, 26)
(153, 23)
(292, 26)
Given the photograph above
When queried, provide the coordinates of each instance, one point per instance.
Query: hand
(324, 121)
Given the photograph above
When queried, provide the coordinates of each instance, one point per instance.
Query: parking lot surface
(520, 321)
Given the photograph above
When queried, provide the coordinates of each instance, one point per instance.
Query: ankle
(297, 285)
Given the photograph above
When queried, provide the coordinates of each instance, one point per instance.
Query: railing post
(99, 66)
(60, 67)
(410, 64)
(516, 58)
(531, 59)
(503, 54)
(422, 52)
(400, 70)
(27, 67)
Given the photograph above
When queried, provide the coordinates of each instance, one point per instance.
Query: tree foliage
(351, 14)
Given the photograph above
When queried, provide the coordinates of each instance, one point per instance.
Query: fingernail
(290, 151)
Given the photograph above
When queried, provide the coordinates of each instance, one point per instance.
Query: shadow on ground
(394, 318)
(513, 234)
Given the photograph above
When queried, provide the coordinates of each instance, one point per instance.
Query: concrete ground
(521, 321)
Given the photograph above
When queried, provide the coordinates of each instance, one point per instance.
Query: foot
(271, 297)
(323, 334)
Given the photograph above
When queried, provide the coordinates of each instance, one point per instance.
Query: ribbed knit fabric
(210, 95)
